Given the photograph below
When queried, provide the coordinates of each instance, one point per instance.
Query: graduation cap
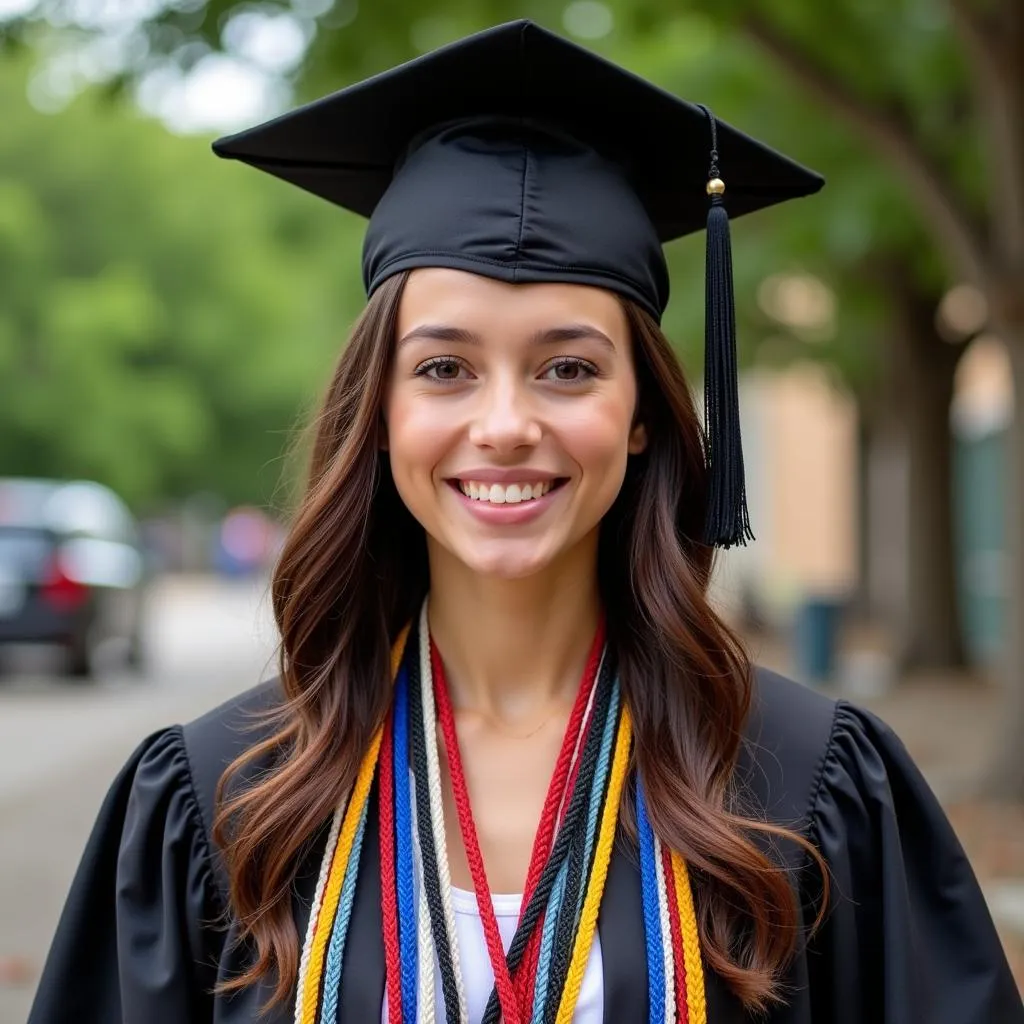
(518, 155)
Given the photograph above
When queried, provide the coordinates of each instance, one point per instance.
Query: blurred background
(168, 320)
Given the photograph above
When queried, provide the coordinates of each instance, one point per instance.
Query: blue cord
(652, 916)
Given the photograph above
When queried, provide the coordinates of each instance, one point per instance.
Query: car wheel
(79, 657)
(135, 657)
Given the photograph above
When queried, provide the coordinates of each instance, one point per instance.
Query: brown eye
(570, 371)
(441, 369)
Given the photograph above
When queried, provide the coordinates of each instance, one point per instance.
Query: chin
(505, 564)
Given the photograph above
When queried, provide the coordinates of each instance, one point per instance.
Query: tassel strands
(727, 521)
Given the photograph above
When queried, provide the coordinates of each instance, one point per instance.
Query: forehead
(437, 295)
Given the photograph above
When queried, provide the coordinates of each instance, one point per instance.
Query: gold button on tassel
(715, 187)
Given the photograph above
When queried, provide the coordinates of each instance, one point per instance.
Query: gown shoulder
(907, 937)
(142, 931)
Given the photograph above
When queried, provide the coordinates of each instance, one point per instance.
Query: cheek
(599, 438)
(417, 436)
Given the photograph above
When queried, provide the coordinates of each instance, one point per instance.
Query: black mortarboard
(519, 155)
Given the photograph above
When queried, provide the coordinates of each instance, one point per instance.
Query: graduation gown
(908, 938)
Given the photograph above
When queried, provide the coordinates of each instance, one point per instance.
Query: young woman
(515, 767)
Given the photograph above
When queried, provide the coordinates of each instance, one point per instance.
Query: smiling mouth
(507, 494)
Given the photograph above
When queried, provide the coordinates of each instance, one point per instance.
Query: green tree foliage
(162, 317)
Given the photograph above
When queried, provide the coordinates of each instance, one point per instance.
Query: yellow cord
(346, 837)
(602, 858)
(696, 1001)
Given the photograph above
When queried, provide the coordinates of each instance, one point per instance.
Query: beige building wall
(799, 435)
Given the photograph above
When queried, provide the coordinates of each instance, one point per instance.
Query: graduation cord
(540, 896)
(599, 873)
(436, 816)
(652, 917)
(425, 938)
(336, 949)
(584, 836)
(542, 995)
(318, 895)
(508, 996)
(388, 889)
(668, 1013)
(682, 1011)
(696, 996)
(562, 782)
(444, 934)
(335, 879)
(405, 868)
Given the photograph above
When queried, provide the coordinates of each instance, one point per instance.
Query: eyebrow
(548, 336)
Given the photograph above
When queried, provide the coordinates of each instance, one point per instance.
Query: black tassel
(727, 522)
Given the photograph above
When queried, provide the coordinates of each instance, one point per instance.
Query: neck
(512, 647)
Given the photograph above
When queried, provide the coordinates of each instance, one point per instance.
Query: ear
(637, 439)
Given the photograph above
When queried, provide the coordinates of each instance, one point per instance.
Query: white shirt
(477, 975)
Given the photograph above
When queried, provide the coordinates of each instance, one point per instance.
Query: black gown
(908, 938)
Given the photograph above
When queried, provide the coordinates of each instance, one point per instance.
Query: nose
(504, 418)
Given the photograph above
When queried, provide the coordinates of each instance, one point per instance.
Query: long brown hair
(353, 571)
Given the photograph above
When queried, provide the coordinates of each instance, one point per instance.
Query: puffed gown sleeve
(137, 942)
(908, 938)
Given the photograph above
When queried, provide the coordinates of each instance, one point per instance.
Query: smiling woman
(515, 767)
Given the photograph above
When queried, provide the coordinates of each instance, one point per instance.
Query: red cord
(562, 782)
(682, 1008)
(510, 1009)
(388, 887)
(511, 996)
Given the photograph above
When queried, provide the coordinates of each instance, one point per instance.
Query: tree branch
(995, 56)
(891, 134)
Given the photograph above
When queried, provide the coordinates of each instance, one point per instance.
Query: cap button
(715, 187)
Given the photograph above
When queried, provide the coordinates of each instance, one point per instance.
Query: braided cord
(507, 995)
(573, 818)
(433, 853)
(388, 894)
(599, 873)
(332, 890)
(314, 911)
(563, 778)
(696, 998)
(339, 933)
(668, 1012)
(459, 1008)
(682, 1012)
(547, 943)
(597, 793)
(424, 935)
(652, 917)
(579, 861)
(404, 877)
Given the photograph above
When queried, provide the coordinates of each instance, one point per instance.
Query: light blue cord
(339, 930)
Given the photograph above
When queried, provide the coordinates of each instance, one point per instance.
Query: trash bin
(815, 639)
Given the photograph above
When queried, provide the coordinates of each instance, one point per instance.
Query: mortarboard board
(518, 155)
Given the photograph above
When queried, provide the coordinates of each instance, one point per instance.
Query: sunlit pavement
(62, 742)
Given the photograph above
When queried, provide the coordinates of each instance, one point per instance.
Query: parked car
(72, 571)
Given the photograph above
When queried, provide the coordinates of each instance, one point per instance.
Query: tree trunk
(1007, 777)
(924, 375)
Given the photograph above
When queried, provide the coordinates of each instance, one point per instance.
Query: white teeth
(508, 494)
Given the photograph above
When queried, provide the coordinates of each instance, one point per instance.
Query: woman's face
(510, 416)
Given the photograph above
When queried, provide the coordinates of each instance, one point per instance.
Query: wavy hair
(353, 571)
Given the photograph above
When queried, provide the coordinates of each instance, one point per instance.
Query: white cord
(437, 807)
